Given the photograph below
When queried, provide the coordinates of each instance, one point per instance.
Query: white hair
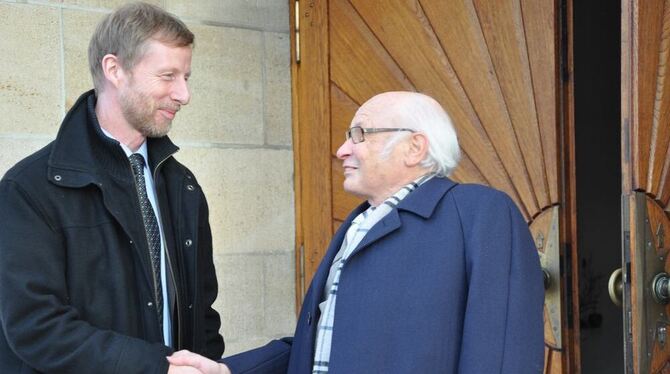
(423, 114)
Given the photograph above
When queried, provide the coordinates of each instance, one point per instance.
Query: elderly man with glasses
(426, 276)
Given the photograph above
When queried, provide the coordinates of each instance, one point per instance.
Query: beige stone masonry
(270, 15)
(30, 72)
(227, 88)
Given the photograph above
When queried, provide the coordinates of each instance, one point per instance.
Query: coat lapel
(387, 225)
(421, 202)
(321, 275)
(118, 198)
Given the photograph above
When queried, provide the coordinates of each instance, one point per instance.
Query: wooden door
(645, 109)
(493, 65)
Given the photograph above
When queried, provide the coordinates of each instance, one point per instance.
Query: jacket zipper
(172, 278)
(176, 297)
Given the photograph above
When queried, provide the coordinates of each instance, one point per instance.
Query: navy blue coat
(450, 282)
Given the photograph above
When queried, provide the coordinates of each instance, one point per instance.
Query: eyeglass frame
(347, 134)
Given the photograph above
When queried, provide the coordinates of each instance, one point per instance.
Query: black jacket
(75, 290)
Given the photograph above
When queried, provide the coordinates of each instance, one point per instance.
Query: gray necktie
(151, 228)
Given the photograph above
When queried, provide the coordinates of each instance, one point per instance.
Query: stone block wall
(235, 134)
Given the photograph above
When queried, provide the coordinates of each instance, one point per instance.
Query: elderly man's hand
(183, 370)
(186, 359)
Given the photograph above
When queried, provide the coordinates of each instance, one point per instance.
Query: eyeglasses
(357, 133)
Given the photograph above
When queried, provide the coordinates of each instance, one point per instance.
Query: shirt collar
(142, 150)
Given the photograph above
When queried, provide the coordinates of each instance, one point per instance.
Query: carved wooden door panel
(645, 108)
(493, 65)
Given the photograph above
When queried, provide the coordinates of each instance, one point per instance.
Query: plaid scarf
(356, 232)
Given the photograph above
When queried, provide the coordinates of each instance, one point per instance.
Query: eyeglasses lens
(357, 134)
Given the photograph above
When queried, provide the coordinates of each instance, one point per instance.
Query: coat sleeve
(503, 324)
(269, 359)
(213, 340)
(39, 325)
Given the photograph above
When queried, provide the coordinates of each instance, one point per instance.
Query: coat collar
(81, 153)
(424, 200)
(421, 202)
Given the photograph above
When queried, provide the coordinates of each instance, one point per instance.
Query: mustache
(170, 106)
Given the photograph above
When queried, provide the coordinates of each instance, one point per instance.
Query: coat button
(57, 178)
(188, 242)
(190, 306)
(150, 304)
(190, 187)
(309, 318)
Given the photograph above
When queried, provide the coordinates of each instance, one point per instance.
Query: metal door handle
(615, 286)
(547, 278)
(660, 289)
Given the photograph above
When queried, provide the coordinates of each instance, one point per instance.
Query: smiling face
(371, 171)
(156, 88)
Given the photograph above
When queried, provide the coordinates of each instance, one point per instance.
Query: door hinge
(297, 31)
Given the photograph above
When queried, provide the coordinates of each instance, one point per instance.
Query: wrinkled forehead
(374, 112)
(362, 119)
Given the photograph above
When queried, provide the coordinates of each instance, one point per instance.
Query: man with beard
(105, 246)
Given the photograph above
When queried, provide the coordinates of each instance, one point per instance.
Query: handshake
(185, 362)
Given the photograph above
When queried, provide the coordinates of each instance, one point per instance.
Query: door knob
(660, 289)
(547, 278)
(615, 287)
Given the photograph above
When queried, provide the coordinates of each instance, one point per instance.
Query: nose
(180, 91)
(345, 149)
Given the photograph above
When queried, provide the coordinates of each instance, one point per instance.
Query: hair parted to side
(125, 33)
(424, 114)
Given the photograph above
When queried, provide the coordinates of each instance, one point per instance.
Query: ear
(417, 148)
(111, 67)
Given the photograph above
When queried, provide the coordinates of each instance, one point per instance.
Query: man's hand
(186, 359)
(183, 370)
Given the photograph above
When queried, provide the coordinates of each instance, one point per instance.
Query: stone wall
(235, 134)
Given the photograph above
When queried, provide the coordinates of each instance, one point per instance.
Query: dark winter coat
(75, 289)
